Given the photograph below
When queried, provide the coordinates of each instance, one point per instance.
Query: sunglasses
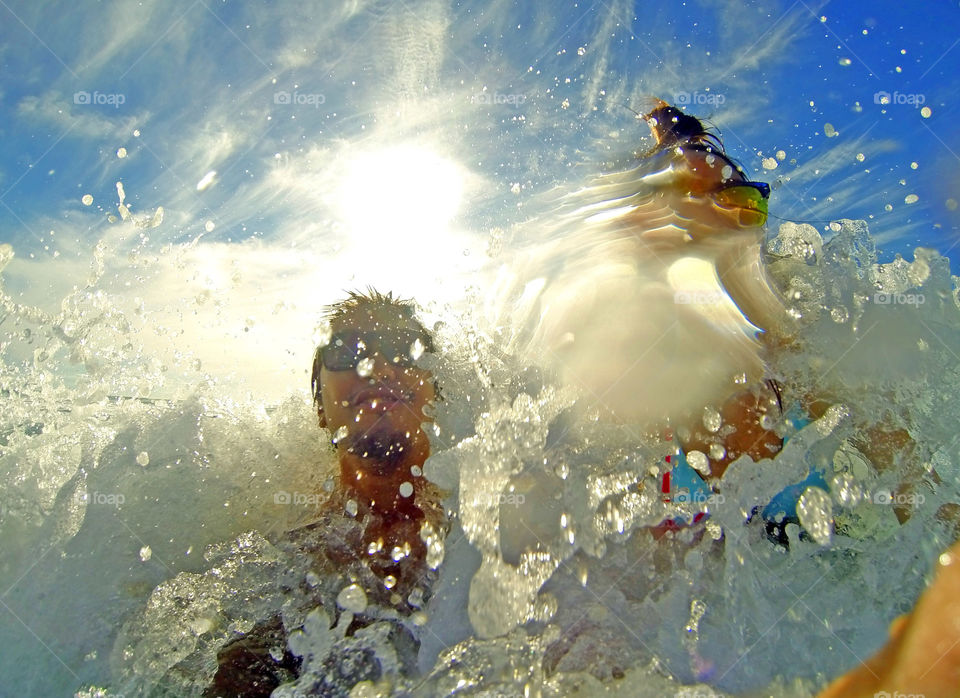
(346, 349)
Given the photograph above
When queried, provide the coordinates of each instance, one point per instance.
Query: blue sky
(387, 141)
(196, 78)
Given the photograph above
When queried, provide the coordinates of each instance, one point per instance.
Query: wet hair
(672, 127)
(384, 310)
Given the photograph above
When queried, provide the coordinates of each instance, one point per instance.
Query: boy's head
(370, 394)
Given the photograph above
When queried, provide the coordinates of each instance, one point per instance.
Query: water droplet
(926, 112)
(353, 598)
(726, 172)
(389, 581)
(911, 199)
(351, 507)
(698, 461)
(340, 434)
(434, 544)
(206, 180)
(861, 157)
(712, 421)
(846, 491)
(845, 61)
(406, 489)
(781, 155)
(416, 470)
(209, 226)
(717, 451)
(770, 163)
(839, 314)
(815, 511)
(829, 131)
(145, 553)
(143, 458)
(417, 349)
(365, 367)
(121, 153)
(86, 200)
(581, 51)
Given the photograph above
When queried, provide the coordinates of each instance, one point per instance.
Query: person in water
(374, 529)
(371, 396)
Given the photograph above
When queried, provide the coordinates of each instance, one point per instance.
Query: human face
(373, 399)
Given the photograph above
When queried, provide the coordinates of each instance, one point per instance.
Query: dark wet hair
(384, 310)
(675, 128)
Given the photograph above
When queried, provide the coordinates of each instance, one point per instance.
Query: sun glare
(402, 190)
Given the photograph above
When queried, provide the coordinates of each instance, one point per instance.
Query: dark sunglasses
(346, 349)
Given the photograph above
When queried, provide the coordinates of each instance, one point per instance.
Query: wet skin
(382, 414)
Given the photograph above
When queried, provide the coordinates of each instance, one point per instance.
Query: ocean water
(187, 187)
